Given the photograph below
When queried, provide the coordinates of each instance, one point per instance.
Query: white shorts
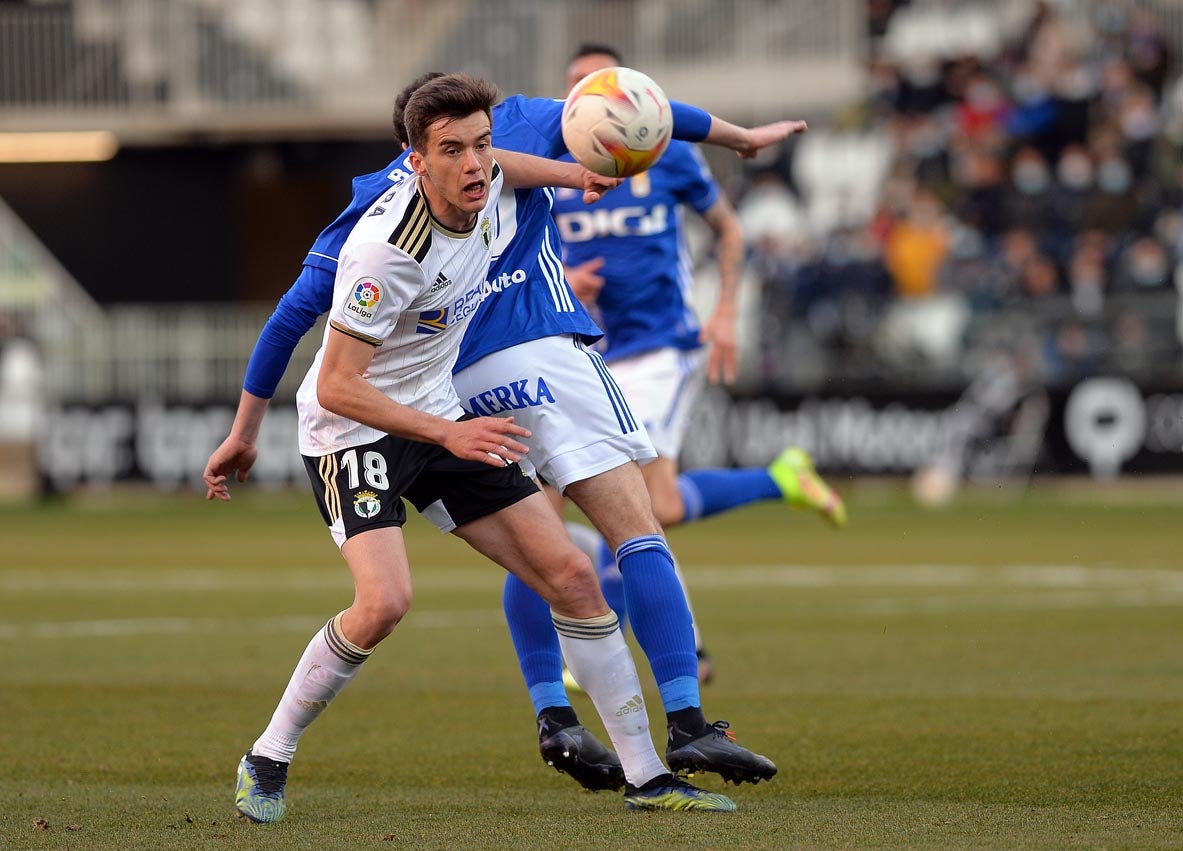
(664, 386)
(563, 393)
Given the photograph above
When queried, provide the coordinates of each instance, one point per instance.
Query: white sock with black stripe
(329, 663)
(602, 664)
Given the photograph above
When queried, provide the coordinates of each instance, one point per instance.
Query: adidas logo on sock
(634, 704)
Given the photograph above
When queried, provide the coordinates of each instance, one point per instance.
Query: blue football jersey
(637, 230)
(527, 296)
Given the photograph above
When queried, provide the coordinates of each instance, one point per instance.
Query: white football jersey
(407, 285)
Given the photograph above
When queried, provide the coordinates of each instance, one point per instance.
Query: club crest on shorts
(366, 504)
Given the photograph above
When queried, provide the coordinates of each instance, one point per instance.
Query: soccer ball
(617, 122)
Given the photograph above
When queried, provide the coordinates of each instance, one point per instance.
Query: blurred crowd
(1013, 182)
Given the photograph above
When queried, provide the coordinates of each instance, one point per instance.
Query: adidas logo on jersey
(441, 281)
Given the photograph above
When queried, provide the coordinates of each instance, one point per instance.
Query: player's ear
(417, 163)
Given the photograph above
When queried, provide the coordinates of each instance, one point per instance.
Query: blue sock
(661, 619)
(612, 583)
(707, 492)
(535, 642)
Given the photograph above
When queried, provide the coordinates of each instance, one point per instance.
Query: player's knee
(379, 616)
(668, 509)
(572, 585)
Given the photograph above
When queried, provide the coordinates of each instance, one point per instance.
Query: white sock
(600, 661)
(329, 663)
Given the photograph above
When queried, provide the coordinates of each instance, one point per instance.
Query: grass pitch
(998, 674)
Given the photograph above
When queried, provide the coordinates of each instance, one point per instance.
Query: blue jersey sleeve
(535, 125)
(297, 311)
(694, 185)
(529, 126)
(691, 124)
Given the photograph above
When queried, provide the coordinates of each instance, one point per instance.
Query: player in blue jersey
(525, 354)
(626, 254)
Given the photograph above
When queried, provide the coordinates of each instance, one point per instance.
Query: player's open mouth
(475, 190)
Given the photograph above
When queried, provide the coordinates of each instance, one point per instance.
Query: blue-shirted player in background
(525, 354)
(627, 255)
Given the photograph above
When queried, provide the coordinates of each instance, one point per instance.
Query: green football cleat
(260, 788)
(802, 487)
(667, 792)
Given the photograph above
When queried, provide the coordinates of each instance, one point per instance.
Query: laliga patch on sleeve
(363, 302)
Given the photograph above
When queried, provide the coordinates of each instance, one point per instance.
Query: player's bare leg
(617, 502)
(528, 538)
(382, 595)
(665, 497)
(661, 482)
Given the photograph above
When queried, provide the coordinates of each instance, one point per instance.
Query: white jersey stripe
(552, 270)
(554, 247)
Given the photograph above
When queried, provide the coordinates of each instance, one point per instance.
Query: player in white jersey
(411, 283)
(380, 422)
(528, 305)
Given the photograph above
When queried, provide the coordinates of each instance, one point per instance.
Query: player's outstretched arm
(237, 453)
(296, 313)
(719, 331)
(748, 141)
(342, 388)
(524, 171)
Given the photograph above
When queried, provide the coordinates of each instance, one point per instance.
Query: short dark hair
(400, 105)
(450, 96)
(589, 48)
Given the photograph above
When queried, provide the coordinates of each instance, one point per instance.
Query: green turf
(999, 674)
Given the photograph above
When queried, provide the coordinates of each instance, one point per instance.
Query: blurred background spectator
(1017, 166)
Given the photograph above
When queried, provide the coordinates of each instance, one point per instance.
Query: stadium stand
(1012, 180)
(983, 183)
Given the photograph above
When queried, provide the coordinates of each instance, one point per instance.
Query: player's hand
(596, 186)
(718, 334)
(585, 280)
(757, 138)
(236, 456)
(489, 440)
